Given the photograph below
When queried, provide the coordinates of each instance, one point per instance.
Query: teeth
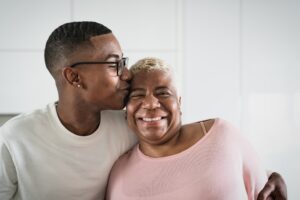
(151, 119)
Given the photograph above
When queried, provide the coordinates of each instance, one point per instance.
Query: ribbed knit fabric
(221, 165)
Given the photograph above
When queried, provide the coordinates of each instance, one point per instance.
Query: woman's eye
(135, 95)
(164, 94)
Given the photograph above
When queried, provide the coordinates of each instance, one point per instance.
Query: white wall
(241, 62)
(142, 27)
(238, 59)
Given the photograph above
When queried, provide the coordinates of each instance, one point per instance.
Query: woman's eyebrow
(137, 90)
(162, 88)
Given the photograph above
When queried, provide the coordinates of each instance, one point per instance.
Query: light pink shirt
(220, 166)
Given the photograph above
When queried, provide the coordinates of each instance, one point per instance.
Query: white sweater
(41, 160)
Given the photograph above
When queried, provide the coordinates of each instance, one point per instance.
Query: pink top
(220, 166)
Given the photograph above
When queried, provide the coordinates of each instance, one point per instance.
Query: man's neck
(78, 119)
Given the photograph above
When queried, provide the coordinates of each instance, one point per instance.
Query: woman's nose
(151, 102)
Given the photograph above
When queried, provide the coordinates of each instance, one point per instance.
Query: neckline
(182, 153)
(68, 135)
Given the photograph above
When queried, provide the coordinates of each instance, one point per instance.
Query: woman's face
(153, 109)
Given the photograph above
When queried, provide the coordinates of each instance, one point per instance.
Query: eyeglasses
(119, 65)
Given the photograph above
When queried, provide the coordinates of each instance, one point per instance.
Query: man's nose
(150, 102)
(126, 75)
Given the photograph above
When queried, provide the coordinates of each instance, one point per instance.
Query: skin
(99, 89)
(275, 189)
(79, 107)
(153, 97)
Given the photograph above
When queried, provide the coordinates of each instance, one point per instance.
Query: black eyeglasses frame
(120, 64)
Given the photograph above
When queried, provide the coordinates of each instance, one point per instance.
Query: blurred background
(234, 59)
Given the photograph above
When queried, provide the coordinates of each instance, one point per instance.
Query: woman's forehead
(153, 79)
(151, 76)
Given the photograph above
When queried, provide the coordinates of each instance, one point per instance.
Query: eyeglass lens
(121, 65)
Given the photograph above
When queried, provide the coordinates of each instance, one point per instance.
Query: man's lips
(125, 90)
(125, 86)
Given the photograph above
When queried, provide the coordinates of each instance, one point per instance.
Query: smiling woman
(153, 110)
(174, 161)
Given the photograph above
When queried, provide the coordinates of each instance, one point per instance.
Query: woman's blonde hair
(149, 64)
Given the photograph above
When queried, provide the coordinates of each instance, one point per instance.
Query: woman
(204, 160)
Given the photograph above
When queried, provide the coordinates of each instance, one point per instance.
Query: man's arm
(8, 176)
(274, 189)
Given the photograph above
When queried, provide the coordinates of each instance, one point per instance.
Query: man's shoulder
(114, 121)
(114, 116)
(114, 113)
(24, 121)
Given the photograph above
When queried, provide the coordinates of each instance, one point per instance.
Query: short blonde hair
(149, 64)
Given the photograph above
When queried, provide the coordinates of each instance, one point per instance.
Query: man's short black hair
(66, 38)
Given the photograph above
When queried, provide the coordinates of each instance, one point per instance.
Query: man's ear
(72, 77)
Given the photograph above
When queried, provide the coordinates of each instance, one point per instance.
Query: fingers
(265, 193)
(274, 189)
(280, 192)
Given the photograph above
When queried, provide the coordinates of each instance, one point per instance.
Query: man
(66, 150)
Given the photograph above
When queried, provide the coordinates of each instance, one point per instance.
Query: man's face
(102, 87)
(153, 109)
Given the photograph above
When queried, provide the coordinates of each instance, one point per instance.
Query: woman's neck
(187, 136)
(167, 148)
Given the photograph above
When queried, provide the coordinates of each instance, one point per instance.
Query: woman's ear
(72, 77)
(179, 101)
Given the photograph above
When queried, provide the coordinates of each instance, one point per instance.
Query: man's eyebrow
(113, 56)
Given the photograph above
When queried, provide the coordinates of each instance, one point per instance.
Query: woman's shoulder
(127, 156)
(208, 124)
(218, 125)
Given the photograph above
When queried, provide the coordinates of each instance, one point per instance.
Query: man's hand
(275, 189)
